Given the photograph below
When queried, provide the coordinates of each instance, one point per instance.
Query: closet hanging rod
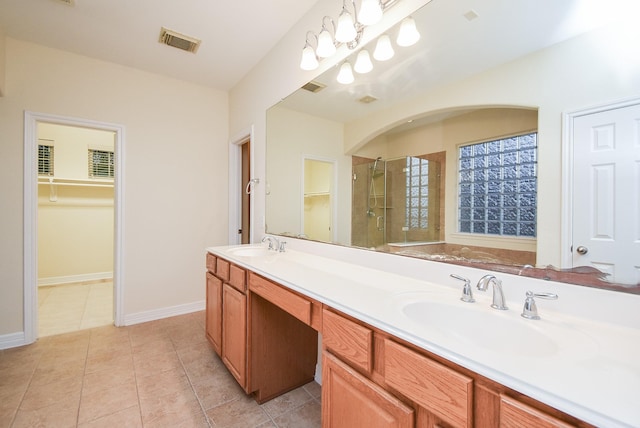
(84, 184)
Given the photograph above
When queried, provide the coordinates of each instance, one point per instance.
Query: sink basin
(251, 251)
(504, 332)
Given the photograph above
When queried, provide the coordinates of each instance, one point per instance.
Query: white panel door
(606, 193)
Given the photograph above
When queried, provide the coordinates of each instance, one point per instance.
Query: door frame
(30, 232)
(333, 196)
(236, 185)
(566, 238)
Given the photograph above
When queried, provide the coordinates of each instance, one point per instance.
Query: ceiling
(453, 47)
(235, 35)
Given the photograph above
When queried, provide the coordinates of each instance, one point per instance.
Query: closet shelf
(310, 194)
(97, 182)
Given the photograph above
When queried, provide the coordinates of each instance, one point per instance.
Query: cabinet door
(515, 414)
(214, 312)
(350, 400)
(234, 333)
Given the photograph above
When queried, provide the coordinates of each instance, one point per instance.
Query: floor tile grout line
(15, 415)
(195, 393)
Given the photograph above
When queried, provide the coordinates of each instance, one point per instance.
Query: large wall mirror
(459, 148)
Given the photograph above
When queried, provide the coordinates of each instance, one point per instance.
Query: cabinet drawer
(222, 269)
(439, 389)
(281, 297)
(347, 339)
(238, 278)
(211, 263)
(514, 413)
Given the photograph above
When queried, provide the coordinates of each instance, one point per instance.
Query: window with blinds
(497, 187)
(101, 164)
(45, 159)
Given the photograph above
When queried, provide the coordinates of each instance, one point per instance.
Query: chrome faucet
(498, 295)
(530, 310)
(274, 244)
(467, 294)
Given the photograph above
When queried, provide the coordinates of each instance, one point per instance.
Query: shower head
(375, 163)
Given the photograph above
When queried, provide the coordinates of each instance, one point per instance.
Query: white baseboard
(157, 314)
(55, 280)
(12, 340)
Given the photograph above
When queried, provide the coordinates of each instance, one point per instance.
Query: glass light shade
(309, 60)
(408, 34)
(363, 62)
(346, 30)
(326, 47)
(345, 75)
(384, 50)
(370, 12)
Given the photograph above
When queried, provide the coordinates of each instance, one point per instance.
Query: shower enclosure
(395, 201)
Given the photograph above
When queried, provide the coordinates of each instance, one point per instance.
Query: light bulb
(370, 12)
(346, 30)
(309, 60)
(326, 47)
(384, 50)
(408, 34)
(345, 75)
(363, 62)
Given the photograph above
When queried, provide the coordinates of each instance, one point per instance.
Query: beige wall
(289, 142)
(175, 175)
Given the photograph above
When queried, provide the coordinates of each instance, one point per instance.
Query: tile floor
(157, 374)
(72, 307)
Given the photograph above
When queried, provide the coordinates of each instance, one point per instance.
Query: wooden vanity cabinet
(283, 338)
(213, 323)
(366, 373)
(350, 400)
(226, 315)
(266, 335)
(234, 333)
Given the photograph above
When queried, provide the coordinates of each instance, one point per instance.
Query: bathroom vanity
(402, 352)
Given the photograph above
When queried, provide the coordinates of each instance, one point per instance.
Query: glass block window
(497, 189)
(417, 200)
(101, 164)
(45, 159)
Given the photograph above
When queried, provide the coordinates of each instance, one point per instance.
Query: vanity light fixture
(346, 31)
(408, 34)
(370, 12)
(345, 75)
(326, 45)
(309, 59)
(384, 50)
(363, 62)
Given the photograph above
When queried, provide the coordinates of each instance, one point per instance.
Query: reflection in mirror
(459, 86)
(318, 200)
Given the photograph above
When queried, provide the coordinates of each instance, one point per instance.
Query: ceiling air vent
(177, 40)
(314, 87)
(367, 99)
(67, 2)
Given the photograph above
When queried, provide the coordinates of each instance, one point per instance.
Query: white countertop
(586, 367)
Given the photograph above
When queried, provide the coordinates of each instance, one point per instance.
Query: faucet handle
(530, 309)
(281, 246)
(467, 294)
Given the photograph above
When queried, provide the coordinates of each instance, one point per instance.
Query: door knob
(582, 250)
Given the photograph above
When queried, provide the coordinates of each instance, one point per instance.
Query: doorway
(73, 224)
(75, 228)
(245, 209)
(601, 181)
